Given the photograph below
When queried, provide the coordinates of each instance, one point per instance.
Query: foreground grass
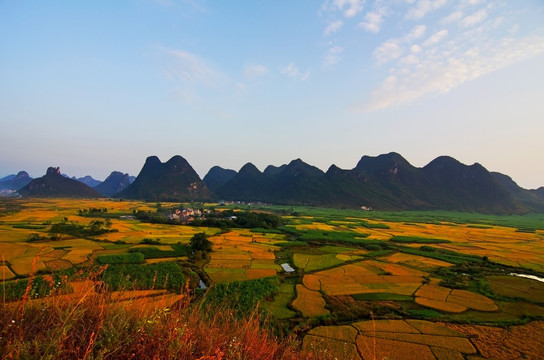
(92, 326)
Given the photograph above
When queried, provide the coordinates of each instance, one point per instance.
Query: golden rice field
(241, 255)
(454, 301)
(327, 277)
(309, 302)
(392, 339)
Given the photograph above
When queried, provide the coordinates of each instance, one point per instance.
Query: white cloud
(293, 72)
(474, 19)
(191, 69)
(453, 17)
(415, 49)
(416, 33)
(423, 7)
(253, 71)
(437, 75)
(349, 7)
(372, 22)
(333, 56)
(409, 60)
(387, 51)
(333, 27)
(392, 49)
(436, 38)
(290, 70)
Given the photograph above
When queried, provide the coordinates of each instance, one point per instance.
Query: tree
(200, 242)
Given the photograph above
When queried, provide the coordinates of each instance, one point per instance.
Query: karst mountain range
(384, 182)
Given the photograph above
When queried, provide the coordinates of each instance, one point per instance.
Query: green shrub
(163, 275)
(241, 296)
(131, 258)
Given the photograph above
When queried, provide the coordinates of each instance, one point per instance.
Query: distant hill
(87, 180)
(174, 180)
(15, 182)
(384, 182)
(53, 184)
(7, 178)
(115, 182)
(217, 176)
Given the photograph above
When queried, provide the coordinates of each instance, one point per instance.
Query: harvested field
(394, 269)
(515, 342)
(517, 287)
(385, 326)
(379, 348)
(259, 273)
(77, 256)
(309, 302)
(416, 261)
(471, 300)
(446, 354)
(58, 264)
(460, 344)
(325, 346)
(440, 305)
(311, 282)
(431, 328)
(433, 292)
(342, 333)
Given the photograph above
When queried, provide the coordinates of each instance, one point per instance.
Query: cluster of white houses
(188, 214)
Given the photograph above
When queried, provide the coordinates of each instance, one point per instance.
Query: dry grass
(95, 326)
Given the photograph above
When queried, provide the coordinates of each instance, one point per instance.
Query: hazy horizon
(93, 87)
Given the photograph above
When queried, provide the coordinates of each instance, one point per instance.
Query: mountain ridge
(53, 184)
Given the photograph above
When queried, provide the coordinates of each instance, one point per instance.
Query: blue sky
(97, 86)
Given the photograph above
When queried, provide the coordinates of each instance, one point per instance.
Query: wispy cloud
(350, 8)
(436, 38)
(416, 33)
(333, 56)
(423, 7)
(435, 75)
(387, 51)
(474, 19)
(372, 22)
(192, 69)
(253, 71)
(393, 48)
(333, 27)
(293, 72)
(466, 39)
